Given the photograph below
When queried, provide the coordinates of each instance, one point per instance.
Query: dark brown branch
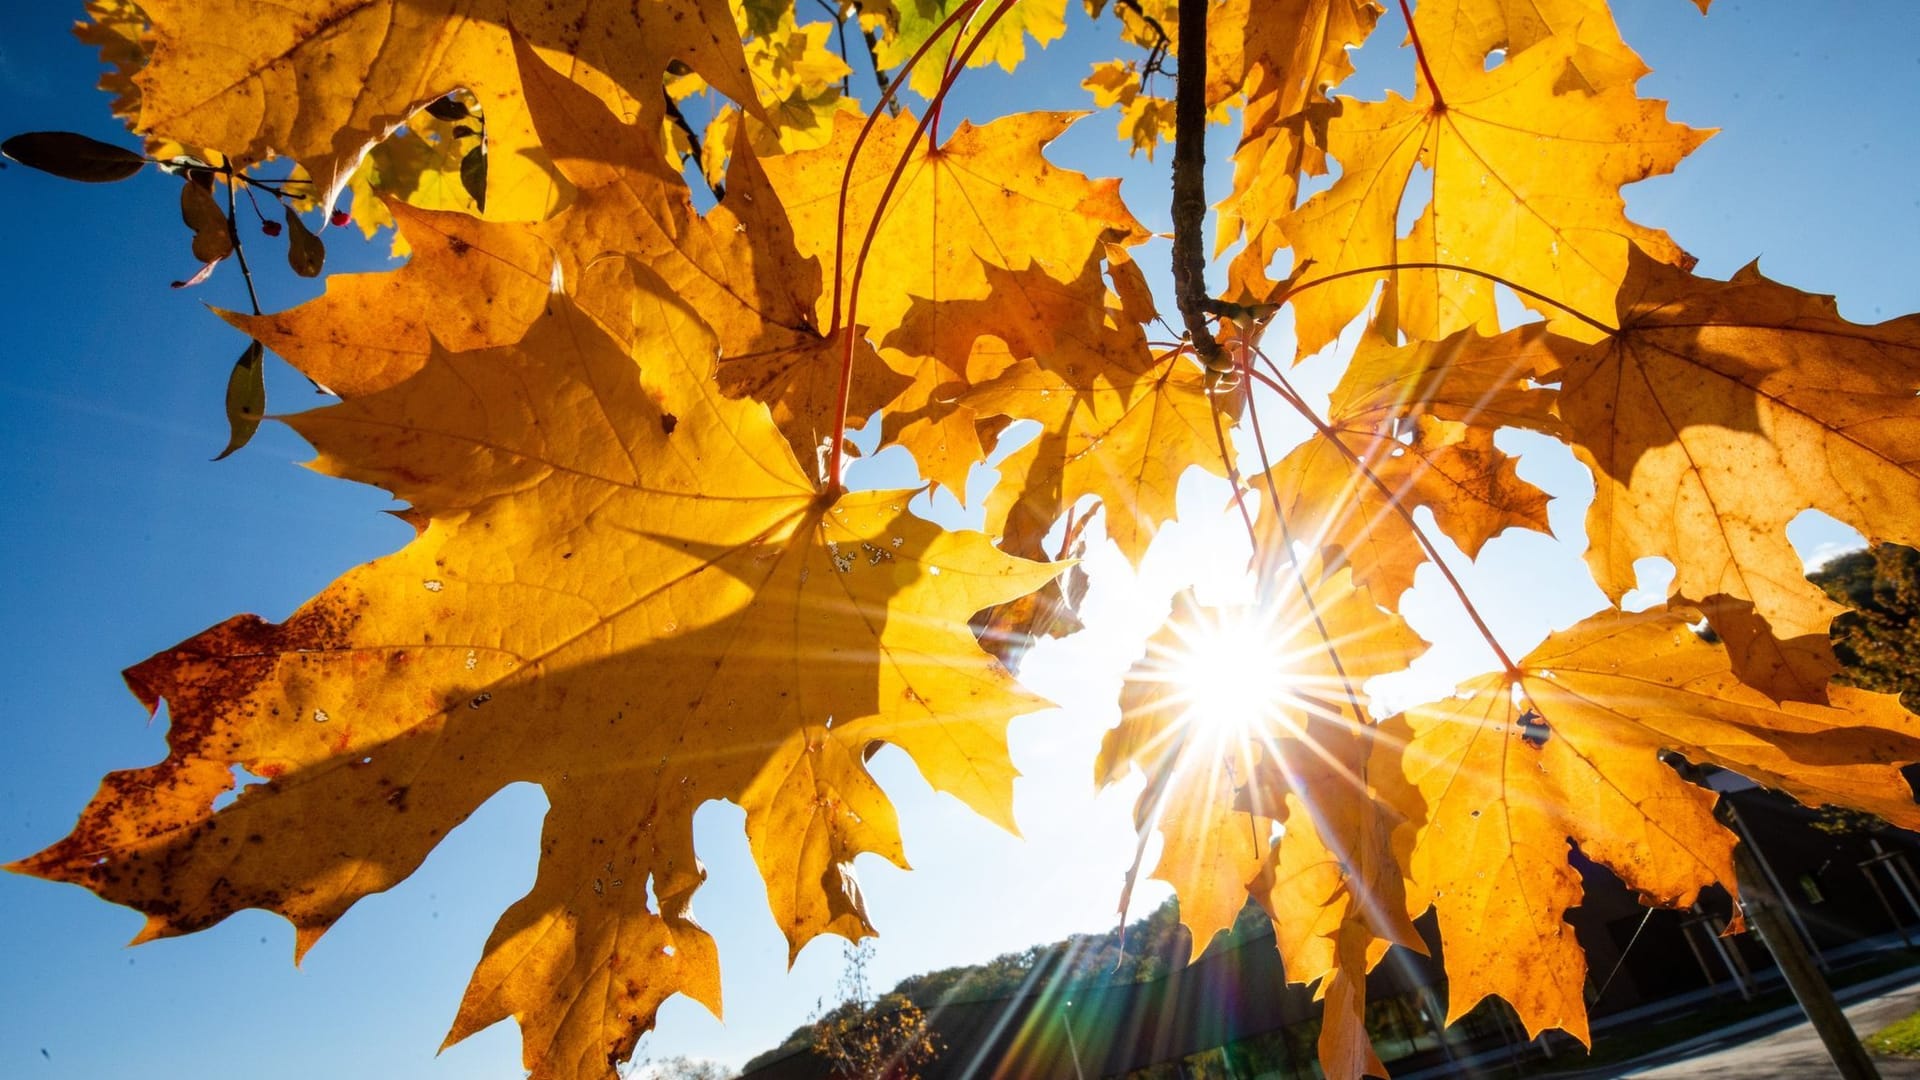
(1160, 47)
(1190, 186)
(679, 119)
(839, 18)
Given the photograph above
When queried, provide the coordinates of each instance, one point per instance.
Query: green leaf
(473, 175)
(305, 253)
(212, 239)
(246, 396)
(448, 108)
(73, 157)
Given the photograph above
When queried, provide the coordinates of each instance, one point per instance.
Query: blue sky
(121, 538)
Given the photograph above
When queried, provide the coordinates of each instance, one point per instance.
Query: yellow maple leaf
(946, 222)
(1458, 36)
(1525, 184)
(1237, 716)
(1413, 426)
(1118, 422)
(737, 266)
(1286, 57)
(322, 80)
(1334, 891)
(1509, 776)
(370, 331)
(911, 24)
(623, 590)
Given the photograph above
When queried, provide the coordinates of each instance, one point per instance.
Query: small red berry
(271, 228)
(340, 218)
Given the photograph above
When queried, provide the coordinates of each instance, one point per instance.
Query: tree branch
(1190, 186)
(693, 140)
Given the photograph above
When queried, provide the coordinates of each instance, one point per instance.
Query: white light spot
(434, 584)
(320, 716)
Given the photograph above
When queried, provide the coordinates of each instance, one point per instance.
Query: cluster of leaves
(619, 422)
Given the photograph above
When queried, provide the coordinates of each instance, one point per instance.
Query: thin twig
(1278, 383)
(839, 17)
(233, 234)
(1383, 268)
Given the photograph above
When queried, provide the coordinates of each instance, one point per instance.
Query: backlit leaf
(73, 157)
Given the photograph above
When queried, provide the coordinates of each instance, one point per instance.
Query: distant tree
(679, 1067)
(1879, 642)
(863, 1038)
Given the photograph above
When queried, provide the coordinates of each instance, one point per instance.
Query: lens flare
(1230, 674)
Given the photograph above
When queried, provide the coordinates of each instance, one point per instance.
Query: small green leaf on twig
(246, 396)
(305, 253)
(448, 108)
(73, 157)
(212, 239)
(473, 175)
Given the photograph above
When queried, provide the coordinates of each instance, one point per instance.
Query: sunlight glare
(1231, 674)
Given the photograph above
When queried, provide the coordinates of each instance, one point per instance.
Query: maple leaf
(1460, 34)
(1145, 120)
(1413, 426)
(1571, 751)
(798, 78)
(1118, 422)
(737, 267)
(592, 605)
(1286, 57)
(1333, 889)
(946, 222)
(370, 331)
(1716, 414)
(1525, 181)
(911, 24)
(322, 80)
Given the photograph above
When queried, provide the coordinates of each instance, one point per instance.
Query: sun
(1229, 673)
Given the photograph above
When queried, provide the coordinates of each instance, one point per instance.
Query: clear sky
(121, 538)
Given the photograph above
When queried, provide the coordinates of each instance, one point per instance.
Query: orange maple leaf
(1716, 414)
(624, 590)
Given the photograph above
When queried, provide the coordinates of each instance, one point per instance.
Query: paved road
(1794, 1052)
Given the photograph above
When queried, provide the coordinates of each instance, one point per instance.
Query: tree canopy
(613, 385)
